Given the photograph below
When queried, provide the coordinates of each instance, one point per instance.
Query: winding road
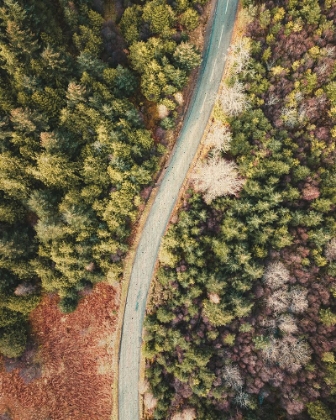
(195, 122)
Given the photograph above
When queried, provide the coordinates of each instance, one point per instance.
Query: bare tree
(232, 377)
(242, 399)
(330, 251)
(330, 51)
(287, 324)
(186, 414)
(289, 116)
(279, 301)
(150, 401)
(233, 100)
(271, 351)
(322, 69)
(219, 138)
(270, 325)
(239, 55)
(276, 275)
(289, 352)
(216, 178)
(299, 302)
(293, 352)
(272, 100)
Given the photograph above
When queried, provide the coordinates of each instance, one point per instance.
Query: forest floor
(69, 377)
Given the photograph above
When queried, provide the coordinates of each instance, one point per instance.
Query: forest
(77, 147)
(241, 320)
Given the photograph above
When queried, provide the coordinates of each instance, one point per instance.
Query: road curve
(186, 147)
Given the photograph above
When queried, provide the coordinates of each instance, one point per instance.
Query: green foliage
(186, 57)
(190, 19)
(159, 16)
(13, 339)
(216, 256)
(327, 317)
(69, 303)
(318, 411)
(229, 339)
(328, 357)
(163, 65)
(216, 315)
(130, 23)
(75, 153)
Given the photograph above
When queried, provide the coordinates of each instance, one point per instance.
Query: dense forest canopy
(242, 318)
(75, 152)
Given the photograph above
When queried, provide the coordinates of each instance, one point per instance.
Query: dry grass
(75, 352)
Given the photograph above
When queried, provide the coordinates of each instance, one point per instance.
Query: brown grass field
(69, 374)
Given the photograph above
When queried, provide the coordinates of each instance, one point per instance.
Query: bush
(69, 303)
(167, 123)
(13, 339)
(318, 411)
(190, 19)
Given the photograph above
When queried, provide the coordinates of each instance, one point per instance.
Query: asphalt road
(146, 255)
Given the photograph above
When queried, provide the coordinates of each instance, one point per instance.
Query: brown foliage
(75, 354)
(310, 192)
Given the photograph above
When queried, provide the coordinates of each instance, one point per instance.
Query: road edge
(200, 151)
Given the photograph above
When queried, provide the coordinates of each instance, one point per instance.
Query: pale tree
(289, 352)
(178, 96)
(214, 298)
(143, 386)
(24, 289)
(76, 92)
(232, 377)
(51, 59)
(290, 116)
(22, 120)
(216, 178)
(186, 414)
(287, 324)
(219, 138)
(233, 99)
(163, 111)
(299, 302)
(240, 53)
(293, 353)
(242, 399)
(279, 301)
(330, 251)
(150, 401)
(276, 275)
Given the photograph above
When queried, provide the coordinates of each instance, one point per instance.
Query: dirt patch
(70, 376)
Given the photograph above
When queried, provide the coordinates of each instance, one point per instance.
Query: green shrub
(318, 411)
(13, 339)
